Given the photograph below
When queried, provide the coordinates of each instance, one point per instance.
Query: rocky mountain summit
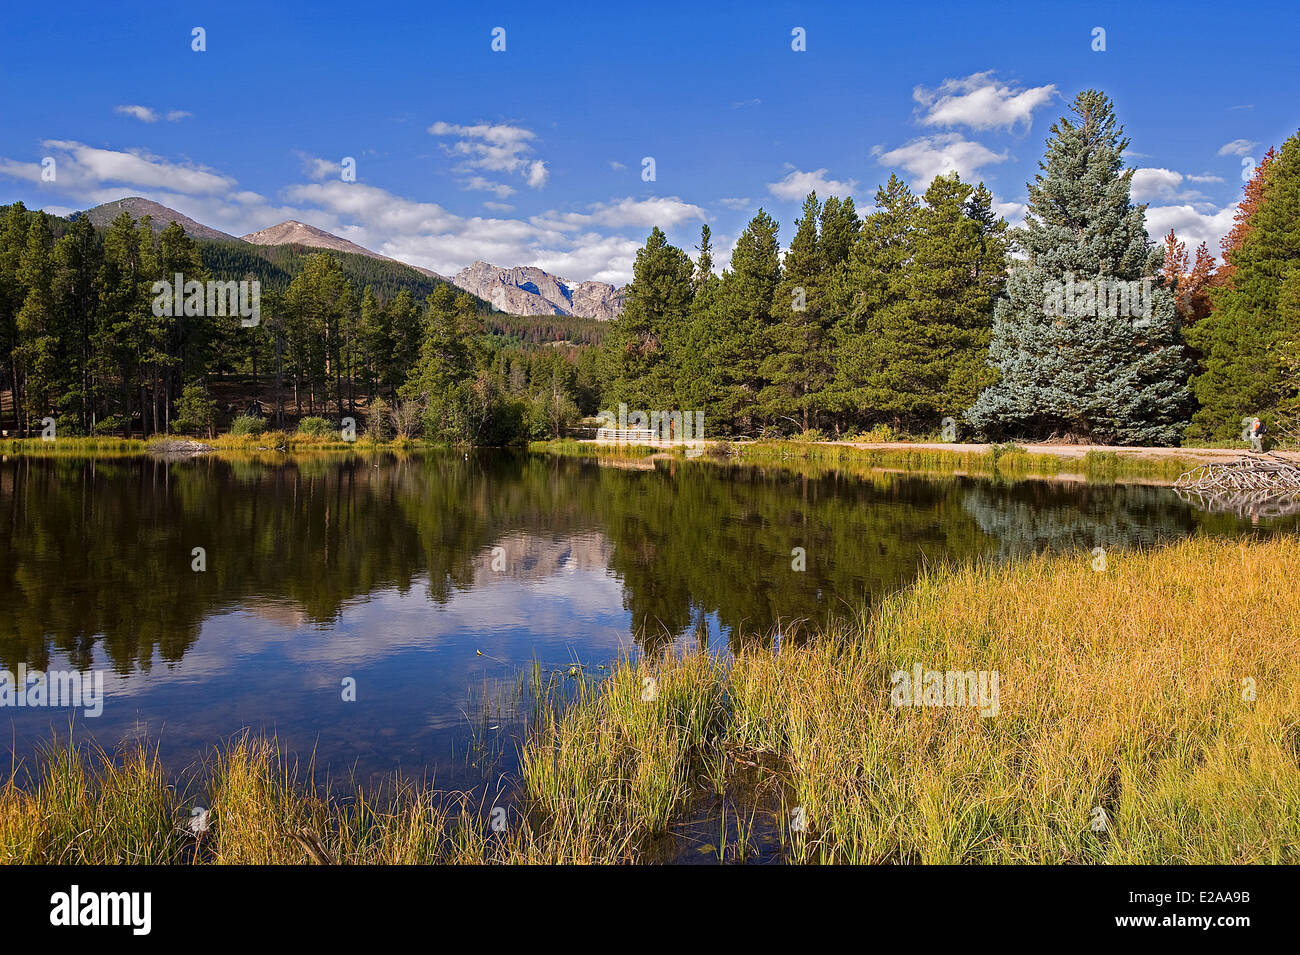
(159, 217)
(293, 232)
(526, 290)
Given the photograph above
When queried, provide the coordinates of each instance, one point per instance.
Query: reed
(569, 448)
(1007, 460)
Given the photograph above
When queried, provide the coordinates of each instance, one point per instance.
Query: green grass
(1009, 461)
(80, 447)
(569, 448)
(1124, 689)
(269, 440)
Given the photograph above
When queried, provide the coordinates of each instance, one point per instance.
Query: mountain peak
(530, 290)
(293, 232)
(159, 215)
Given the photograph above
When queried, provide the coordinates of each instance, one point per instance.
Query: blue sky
(534, 155)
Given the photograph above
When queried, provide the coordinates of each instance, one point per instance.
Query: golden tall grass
(1125, 690)
(1008, 460)
(1159, 694)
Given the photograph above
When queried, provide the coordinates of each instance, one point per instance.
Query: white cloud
(375, 207)
(798, 184)
(86, 171)
(665, 212)
(501, 136)
(143, 113)
(499, 206)
(932, 156)
(1013, 212)
(494, 148)
(148, 115)
(1155, 184)
(1238, 147)
(596, 258)
(980, 101)
(1191, 226)
(537, 174)
(736, 203)
(314, 167)
(616, 165)
(498, 189)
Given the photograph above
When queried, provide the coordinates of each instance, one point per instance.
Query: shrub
(880, 434)
(196, 412)
(113, 424)
(377, 422)
(248, 425)
(313, 427)
(549, 416)
(406, 417)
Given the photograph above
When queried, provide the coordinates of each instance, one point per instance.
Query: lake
(427, 585)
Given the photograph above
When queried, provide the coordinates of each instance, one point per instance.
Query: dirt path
(1070, 451)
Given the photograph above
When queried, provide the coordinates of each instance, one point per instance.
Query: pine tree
(446, 358)
(181, 345)
(124, 314)
(1246, 337)
(1080, 368)
(320, 305)
(1288, 412)
(638, 366)
(442, 378)
(868, 294)
(697, 381)
(793, 369)
(13, 239)
(1253, 192)
(375, 342)
(939, 333)
(1189, 281)
(970, 373)
(839, 231)
(78, 256)
(742, 311)
(38, 351)
(703, 273)
(403, 318)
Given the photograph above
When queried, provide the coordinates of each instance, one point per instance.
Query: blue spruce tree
(1087, 348)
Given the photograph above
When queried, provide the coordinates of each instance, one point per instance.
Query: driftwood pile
(173, 448)
(1254, 486)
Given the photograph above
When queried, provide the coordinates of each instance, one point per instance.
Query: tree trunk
(16, 395)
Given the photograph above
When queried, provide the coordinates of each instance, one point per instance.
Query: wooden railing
(629, 436)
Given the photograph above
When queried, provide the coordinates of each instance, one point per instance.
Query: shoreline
(1062, 462)
(1071, 463)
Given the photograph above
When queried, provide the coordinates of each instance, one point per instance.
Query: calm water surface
(434, 580)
